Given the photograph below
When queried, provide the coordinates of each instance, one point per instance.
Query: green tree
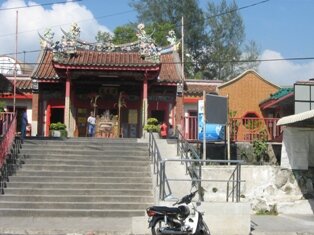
(125, 34)
(213, 38)
(103, 37)
(249, 57)
(170, 12)
(226, 34)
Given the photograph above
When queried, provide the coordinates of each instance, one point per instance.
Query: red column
(145, 102)
(67, 106)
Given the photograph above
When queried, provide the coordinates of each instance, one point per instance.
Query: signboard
(214, 132)
(216, 109)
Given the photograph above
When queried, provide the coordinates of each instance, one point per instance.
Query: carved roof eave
(70, 42)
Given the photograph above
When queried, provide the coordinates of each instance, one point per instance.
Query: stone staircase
(80, 177)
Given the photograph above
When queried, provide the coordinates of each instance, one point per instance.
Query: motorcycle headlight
(184, 211)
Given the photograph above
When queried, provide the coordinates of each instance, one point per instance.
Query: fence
(193, 167)
(8, 130)
(241, 129)
(9, 147)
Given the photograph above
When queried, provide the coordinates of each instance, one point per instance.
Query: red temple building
(124, 85)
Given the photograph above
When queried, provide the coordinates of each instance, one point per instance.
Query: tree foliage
(214, 36)
(170, 12)
(125, 34)
(226, 34)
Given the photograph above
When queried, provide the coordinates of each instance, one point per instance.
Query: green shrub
(271, 211)
(2, 105)
(57, 126)
(152, 125)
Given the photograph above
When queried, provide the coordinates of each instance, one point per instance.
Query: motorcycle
(165, 220)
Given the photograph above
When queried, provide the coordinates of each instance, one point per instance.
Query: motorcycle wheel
(204, 229)
(157, 226)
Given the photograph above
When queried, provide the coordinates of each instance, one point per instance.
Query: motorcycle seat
(165, 209)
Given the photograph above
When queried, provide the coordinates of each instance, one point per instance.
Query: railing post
(239, 182)
(233, 182)
(200, 180)
(227, 196)
(162, 181)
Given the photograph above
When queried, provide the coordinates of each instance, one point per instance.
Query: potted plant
(152, 126)
(58, 130)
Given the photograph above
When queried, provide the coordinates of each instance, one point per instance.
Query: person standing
(91, 123)
(163, 130)
(24, 123)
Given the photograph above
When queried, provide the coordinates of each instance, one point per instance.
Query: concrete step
(70, 168)
(23, 172)
(86, 152)
(82, 140)
(79, 185)
(42, 179)
(96, 146)
(95, 157)
(85, 177)
(85, 162)
(78, 198)
(70, 192)
(74, 205)
(70, 213)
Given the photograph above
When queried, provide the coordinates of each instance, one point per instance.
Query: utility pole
(182, 51)
(15, 67)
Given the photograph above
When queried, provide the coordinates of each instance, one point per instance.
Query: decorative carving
(70, 42)
(104, 125)
(147, 47)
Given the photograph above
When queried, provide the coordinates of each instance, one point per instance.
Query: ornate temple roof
(73, 54)
(47, 69)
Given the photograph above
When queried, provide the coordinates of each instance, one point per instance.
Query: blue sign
(214, 132)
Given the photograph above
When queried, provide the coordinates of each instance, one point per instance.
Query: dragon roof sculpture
(70, 42)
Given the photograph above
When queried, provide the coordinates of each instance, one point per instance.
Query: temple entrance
(57, 115)
(116, 106)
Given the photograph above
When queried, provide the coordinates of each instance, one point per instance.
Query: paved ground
(283, 224)
(261, 225)
(65, 226)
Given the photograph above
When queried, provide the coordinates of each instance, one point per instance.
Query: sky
(282, 29)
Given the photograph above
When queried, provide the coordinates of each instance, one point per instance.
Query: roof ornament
(174, 43)
(147, 47)
(46, 41)
(64, 48)
(70, 42)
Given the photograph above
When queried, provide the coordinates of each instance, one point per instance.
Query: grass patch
(272, 211)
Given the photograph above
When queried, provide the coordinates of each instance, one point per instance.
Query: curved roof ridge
(243, 74)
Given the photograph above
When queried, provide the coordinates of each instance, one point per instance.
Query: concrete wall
(227, 218)
(264, 186)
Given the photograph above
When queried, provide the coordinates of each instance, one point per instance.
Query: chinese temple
(123, 85)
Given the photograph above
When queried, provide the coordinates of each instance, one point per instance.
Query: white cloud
(284, 73)
(34, 20)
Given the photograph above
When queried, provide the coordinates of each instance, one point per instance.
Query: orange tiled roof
(44, 69)
(47, 69)
(170, 68)
(196, 88)
(23, 85)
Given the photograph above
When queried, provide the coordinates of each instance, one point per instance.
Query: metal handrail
(191, 159)
(155, 158)
(234, 192)
(9, 148)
